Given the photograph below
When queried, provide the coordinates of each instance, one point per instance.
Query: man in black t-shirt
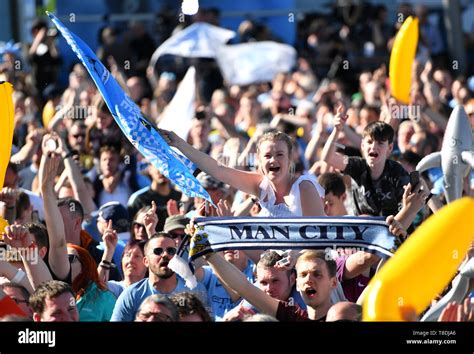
(377, 182)
(160, 191)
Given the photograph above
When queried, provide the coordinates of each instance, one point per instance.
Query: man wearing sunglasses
(76, 140)
(159, 250)
(175, 225)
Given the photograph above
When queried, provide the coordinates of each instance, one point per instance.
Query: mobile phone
(51, 145)
(283, 262)
(414, 179)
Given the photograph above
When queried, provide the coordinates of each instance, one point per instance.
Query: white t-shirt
(292, 205)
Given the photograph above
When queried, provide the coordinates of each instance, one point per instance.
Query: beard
(162, 273)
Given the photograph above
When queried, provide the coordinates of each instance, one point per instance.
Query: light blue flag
(174, 166)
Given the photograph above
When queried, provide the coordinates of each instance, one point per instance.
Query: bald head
(344, 311)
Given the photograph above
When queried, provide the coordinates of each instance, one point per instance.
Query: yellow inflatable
(6, 133)
(6, 127)
(401, 60)
(423, 265)
(3, 224)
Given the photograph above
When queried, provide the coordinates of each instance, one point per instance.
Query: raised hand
(35, 136)
(172, 207)
(395, 227)
(151, 220)
(8, 196)
(190, 229)
(454, 312)
(62, 148)
(223, 208)
(205, 210)
(110, 237)
(288, 261)
(170, 137)
(18, 236)
(48, 170)
(340, 118)
(415, 198)
(50, 144)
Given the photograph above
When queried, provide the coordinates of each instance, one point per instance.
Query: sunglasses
(138, 225)
(79, 136)
(176, 234)
(171, 251)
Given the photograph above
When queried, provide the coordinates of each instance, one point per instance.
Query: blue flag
(174, 166)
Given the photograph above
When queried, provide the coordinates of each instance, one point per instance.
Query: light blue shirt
(218, 298)
(132, 297)
(116, 287)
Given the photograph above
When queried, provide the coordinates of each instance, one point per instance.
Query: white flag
(247, 63)
(200, 40)
(180, 111)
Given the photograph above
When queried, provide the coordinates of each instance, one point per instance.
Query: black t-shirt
(96, 254)
(380, 197)
(293, 313)
(145, 199)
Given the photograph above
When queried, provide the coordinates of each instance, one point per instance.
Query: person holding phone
(377, 181)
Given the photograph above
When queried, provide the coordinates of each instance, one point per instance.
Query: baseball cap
(117, 213)
(174, 222)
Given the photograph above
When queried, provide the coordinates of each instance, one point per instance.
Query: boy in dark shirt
(377, 182)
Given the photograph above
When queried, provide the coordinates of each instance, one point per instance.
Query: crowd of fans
(105, 223)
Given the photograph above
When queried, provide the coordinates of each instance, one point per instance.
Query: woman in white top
(280, 193)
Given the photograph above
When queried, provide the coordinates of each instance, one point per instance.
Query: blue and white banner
(133, 124)
(179, 113)
(248, 63)
(200, 40)
(219, 234)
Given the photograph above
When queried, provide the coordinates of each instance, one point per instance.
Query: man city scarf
(133, 124)
(333, 234)
(330, 233)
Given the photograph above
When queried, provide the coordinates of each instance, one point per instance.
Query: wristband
(18, 277)
(108, 264)
(105, 266)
